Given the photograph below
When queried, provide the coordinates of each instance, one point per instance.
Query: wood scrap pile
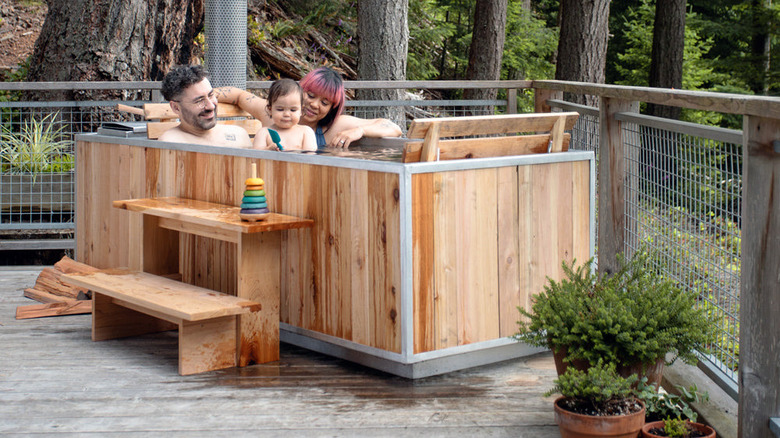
(57, 297)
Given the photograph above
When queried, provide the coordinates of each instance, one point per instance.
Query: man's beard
(197, 120)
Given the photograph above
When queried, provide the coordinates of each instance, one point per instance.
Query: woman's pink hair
(326, 83)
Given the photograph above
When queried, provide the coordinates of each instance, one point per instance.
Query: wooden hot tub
(412, 268)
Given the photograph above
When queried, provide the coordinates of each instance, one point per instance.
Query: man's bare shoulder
(175, 135)
(220, 135)
(232, 135)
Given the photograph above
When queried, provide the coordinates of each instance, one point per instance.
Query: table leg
(259, 273)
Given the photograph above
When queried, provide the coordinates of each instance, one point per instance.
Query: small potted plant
(661, 405)
(597, 402)
(632, 318)
(677, 428)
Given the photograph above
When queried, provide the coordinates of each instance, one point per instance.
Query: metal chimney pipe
(226, 42)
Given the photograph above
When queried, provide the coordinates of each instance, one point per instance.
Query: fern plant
(632, 316)
(37, 147)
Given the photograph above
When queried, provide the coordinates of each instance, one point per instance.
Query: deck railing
(675, 187)
(682, 198)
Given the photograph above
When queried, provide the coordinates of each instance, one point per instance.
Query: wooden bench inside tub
(160, 117)
(454, 138)
(129, 303)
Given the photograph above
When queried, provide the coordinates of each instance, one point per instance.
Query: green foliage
(598, 385)
(37, 147)
(700, 70)
(659, 405)
(676, 428)
(529, 47)
(428, 32)
(632, 316)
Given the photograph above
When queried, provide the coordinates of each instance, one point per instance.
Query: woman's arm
(256, 106)
(309, 139)
(347, 129)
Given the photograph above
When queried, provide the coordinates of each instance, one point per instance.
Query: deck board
(55, 381)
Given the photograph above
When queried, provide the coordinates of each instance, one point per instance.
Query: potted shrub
(676, 428)
(597, 403)
(632, 318)
(35, 167)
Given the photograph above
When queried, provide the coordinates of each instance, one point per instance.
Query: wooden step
(162, 296)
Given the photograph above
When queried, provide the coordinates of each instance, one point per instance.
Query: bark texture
(666, 62)
(383, 35)
(486, 50)
(582, 47)
(119, 40)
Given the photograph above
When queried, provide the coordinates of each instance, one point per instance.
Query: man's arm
(256, 106)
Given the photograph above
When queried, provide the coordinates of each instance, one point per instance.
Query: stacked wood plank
(57, 296)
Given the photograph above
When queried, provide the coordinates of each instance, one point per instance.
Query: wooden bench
(160, 117)
(129, 303)
(453, 138)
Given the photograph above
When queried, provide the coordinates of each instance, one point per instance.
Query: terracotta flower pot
(573, 425)
(706, 430)
(653, 371)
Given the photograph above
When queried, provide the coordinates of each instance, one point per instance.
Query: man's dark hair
(181, 77)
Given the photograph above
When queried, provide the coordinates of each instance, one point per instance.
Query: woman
(323, 107)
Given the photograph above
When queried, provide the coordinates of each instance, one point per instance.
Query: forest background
(727, 45)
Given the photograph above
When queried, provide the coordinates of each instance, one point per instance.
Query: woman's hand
(344, 138)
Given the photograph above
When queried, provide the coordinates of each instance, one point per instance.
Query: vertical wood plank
(564, 227)
(360, 312)
(545, 256)
(259, 264)
(509, 223)
(445, 263)
(527, 239)
(759, 299)
(476, 256)
(581, 226)
(385, 261)
(207, 345)
(430, 143)
(422, 261)
(340, 239)
(83, 219)
(541, 96)
(611, 191)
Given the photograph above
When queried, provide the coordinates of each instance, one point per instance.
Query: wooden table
(257, 258)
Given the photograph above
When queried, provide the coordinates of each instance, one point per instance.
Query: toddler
(285, 100)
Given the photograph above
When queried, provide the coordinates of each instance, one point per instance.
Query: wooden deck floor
(55, 381)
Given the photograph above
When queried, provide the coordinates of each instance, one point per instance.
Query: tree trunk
(383, 35)
(760, 45)
(582, 47)
(666, 62)
(660, 149)
(119, 40)
(487, 49)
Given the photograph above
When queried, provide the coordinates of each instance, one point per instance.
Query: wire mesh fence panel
(683, 196)
(37, 160)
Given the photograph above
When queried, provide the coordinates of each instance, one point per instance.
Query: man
(188, 90)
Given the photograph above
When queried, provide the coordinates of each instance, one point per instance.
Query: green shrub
(598, 385)
(633, 316)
